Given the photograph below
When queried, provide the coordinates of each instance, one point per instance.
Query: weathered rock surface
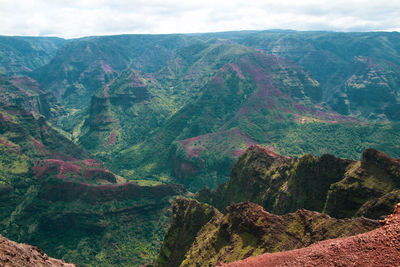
(17, 254)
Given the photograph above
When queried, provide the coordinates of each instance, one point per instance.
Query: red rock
(23, 255)
(379, 247)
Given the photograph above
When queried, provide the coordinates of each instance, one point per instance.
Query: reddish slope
(17, 254)
(380, 247)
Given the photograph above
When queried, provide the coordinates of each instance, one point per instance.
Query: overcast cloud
(76, 18)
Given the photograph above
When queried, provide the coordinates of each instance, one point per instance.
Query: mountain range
(99, 134)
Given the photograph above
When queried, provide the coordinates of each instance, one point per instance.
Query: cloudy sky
(76, 18)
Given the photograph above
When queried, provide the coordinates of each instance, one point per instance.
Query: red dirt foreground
(21, 255)
(380, 247)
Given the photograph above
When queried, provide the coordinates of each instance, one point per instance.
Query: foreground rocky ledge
(17, 254)
(380, 247)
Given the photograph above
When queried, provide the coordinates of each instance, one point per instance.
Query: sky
(78, 18)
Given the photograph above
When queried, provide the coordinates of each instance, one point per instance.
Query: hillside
(352, 68)
(25, 92)
(99, 134)
(84, 65)
(248, 97)
(22, 55)
(339, 187)
(56, 197)
(342, 251)
(199, 236)
(294, 190)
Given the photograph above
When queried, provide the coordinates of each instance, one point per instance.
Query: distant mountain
(95, 131)
(212, 101)
(30, 96)
(177, 107)
(83, 66)
(358, 72)
(22, 55)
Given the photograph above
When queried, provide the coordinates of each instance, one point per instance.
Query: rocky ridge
(379, 247)
(202, 236)
(340, 187)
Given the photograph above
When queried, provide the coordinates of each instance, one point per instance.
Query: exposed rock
(247, 230)
(189, 216)
(339, 187)
(379, 247)
(17, 254)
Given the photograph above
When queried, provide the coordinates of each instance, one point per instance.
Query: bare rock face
(17, 254)
(379, 247)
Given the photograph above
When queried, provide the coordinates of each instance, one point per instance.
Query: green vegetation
(245, 230)
(163, 109)
(339, 187)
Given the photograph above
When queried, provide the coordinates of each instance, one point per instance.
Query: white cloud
(75, 18)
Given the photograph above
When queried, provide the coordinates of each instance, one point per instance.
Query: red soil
(107, 88)
(105, 67)
(192, 151)
(4, 117)
(269, 151)
(380, 247)
(238, 71)
(62, 168)
(91, 162)
(39, 147)
(4, 142)
(17, 254)
(112, 139)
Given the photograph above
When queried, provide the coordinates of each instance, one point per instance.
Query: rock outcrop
(201, 236)
(23, 255)
(340, 187)
(189, 217)
(379, 247)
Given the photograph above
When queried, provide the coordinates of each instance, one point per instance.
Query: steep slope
(189, 216)
(85, 65)
(27, 93)
(14, 254)
(164, 106)
(209, 94)
(368, 188)
(22, 55)
(54, 196)
(246, 229)
(375, 248)
(93, 225)
(124, 112)
(250, 90)
(352, 68)
(342, 188)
